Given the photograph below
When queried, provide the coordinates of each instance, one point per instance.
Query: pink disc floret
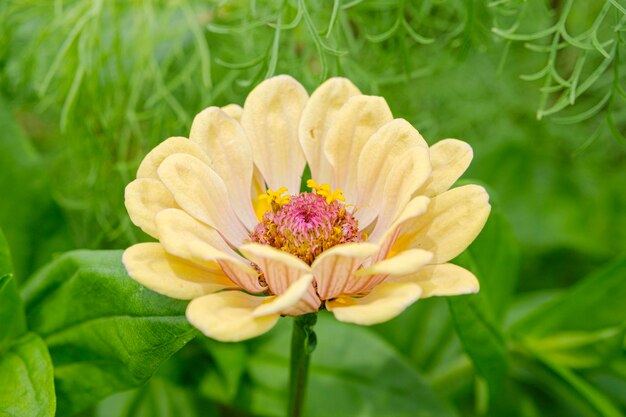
(307, 226)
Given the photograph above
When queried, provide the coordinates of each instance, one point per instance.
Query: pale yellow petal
(144, 198)
(405, 262)
(334, 267)
(183, 236)
(386, 238)
(355, 123)
(233, 110)
(385, 302)
(229, 316)
(449, 158)
(280, 269)
(288, 299)
(319, 114)
(152, 267)
(223, 139)
(202, 193)
(150, 164)
(443, 279)
(271, 115)
(451, 223)
(408, 174)
(368, 278)
(177, 226)
(379, 156)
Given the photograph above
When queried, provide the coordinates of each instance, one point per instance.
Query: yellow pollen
(325, 191)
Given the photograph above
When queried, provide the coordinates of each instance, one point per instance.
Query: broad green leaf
(594, 304)
(6, 266)
(495, 261)
(33, 223)
(353, 373)
(221, 383)
(105, 332)
(494, 258)
(26, 379)
(11, 309)
(432, 344)
(158, 398)
(481, 338)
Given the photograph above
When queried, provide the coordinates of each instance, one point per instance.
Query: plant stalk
(303, 342)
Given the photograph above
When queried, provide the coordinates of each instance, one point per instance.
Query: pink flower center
(307, 225)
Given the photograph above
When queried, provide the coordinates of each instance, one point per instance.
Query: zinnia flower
(372, 233)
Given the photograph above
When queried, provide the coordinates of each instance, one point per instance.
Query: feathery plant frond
(581, 70)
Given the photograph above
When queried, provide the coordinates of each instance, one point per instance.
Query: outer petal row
(232, 316)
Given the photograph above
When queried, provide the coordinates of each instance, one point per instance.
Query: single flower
(372, 234)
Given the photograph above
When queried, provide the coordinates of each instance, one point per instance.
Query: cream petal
(271, 115)
(152, 267)
(150, 164)
(223, 139)
(318, 116)
(288, 299)
(202, 193)
(183, 236)
(229, 316)
(415, 208)
(355, 123)
(405, 262)
(233, 110)
(385, 302)
(367, 278)
(443, 279)
(449, 158)
(451, 223)
(405, 177)
(281, 270)
(177, 229)
(144, 198)
(334, 267)
(379, 156)
(232, 316)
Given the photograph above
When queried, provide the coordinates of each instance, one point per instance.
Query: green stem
(303, 342)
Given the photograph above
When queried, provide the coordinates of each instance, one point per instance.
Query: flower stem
(303, 342)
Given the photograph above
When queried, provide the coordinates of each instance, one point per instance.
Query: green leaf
(494, 258)
(32, 221)
(222, 383)
(6, 266)
(105, 332)
(594, 304)
(11, 309)
(26, 377)
(158, 398)
(482, 339)
(353, 372)
(495, 261)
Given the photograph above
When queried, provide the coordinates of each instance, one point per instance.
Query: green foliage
(88, 87)
(27, 204)
(351, 369)
(105, 332)
(25, 365)
(27, 382)
(158, 398)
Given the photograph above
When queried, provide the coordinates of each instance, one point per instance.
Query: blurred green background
(88, 87)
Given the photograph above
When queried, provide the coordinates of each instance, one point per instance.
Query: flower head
(372, 233)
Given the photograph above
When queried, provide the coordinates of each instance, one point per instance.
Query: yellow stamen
(325, 191)
(275, 199)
